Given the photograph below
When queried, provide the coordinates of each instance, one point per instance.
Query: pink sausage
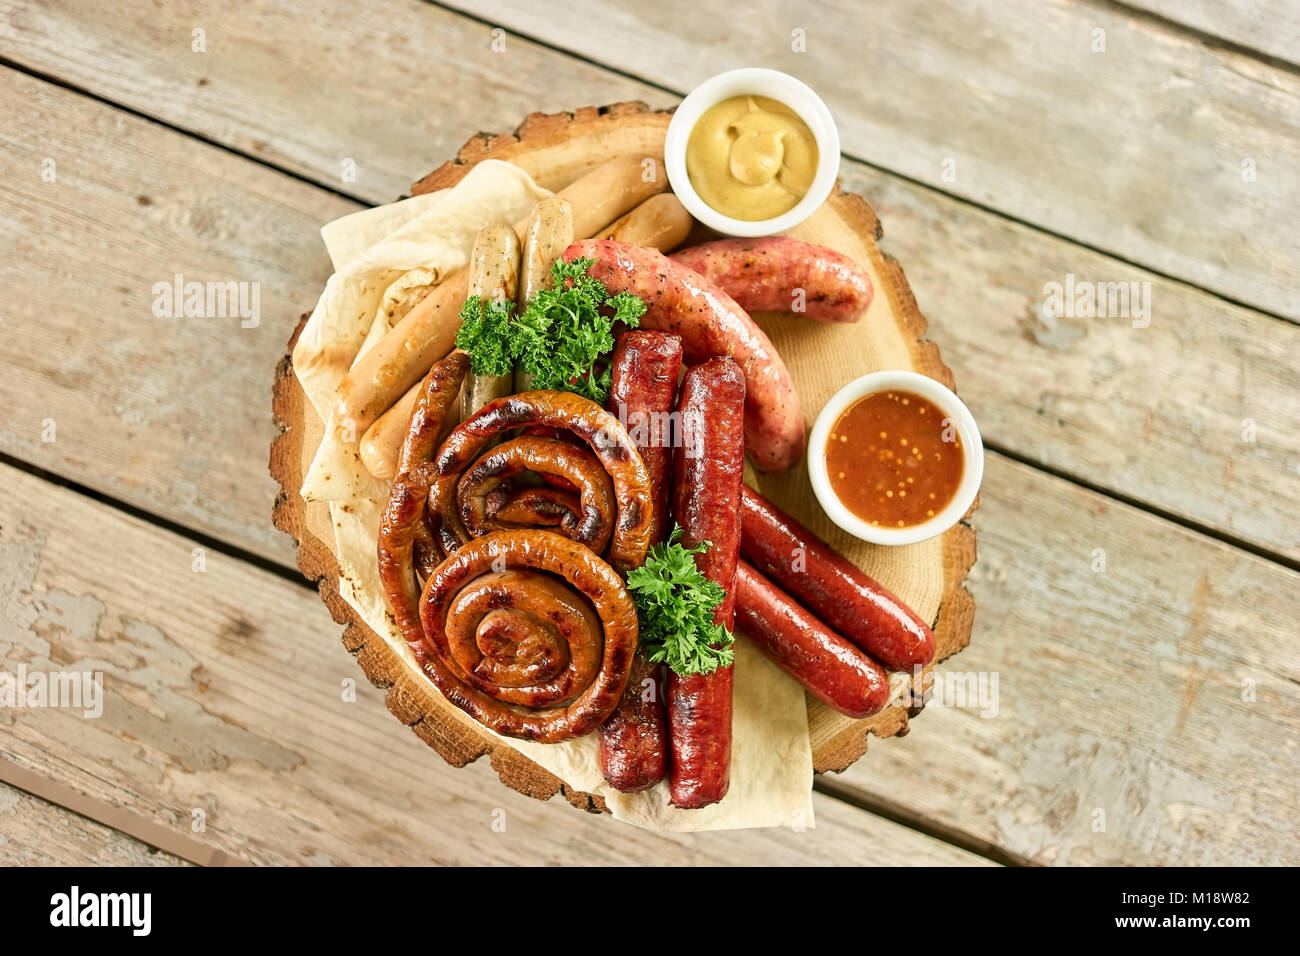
(780, 274)
(710, 324)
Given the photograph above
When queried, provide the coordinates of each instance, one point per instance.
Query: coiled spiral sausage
(528, 631)
(591, 523)
(458, 497)
(521, 652)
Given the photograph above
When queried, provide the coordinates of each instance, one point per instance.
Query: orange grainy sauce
(888, 461)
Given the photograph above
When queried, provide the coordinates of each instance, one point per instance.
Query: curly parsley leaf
(486, 334)
(675, 604)
(560, 338)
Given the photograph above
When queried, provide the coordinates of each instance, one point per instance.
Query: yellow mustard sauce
(751, 157)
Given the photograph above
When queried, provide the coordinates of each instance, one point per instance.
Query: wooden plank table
(1139, 574)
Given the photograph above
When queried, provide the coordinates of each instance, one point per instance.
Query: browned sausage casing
(634, 740)
(707, 471)
(527, 631)
(519, 651)
(450, 499)
(433, 405)
(594, 517)
(645, 368)
(414, 542)
(830, 586)
(832, 669)
(780, 274)
(710, 324)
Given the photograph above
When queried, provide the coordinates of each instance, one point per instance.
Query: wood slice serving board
(555, 150)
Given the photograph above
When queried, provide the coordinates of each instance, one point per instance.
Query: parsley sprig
(485, 334)
(559, 339)
(675, 604)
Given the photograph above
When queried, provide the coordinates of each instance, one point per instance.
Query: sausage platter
(927, 577)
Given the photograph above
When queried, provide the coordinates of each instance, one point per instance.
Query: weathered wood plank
(1147, 412)
(1162, 692)
(100, 389)
(226, 692)
(1270, 26)
(1131, 139)
(363, 103)
(34, 832)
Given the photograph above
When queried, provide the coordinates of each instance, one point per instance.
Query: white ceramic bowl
(946, 402)
(757, 82)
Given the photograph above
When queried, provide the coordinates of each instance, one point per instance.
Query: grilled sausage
(643, 385)
(531, 453)
(644, 372)
(828, 666)
(710, 324)
(382, 441)
(830, 586)
(405, 539)
(548, 232)
(634, 740)
(493, 277)
(522, 652)
(661, 222)
(780, 274)
(707, 471)
(600, 431)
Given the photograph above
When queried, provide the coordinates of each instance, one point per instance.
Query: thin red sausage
(830, 586)
(645, 368)
(707, 471)
(832, 669)
(634, 740)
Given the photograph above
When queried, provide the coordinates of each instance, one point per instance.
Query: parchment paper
(381, 249)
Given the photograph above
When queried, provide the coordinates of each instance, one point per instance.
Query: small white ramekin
(775, 85)
(948, 404)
